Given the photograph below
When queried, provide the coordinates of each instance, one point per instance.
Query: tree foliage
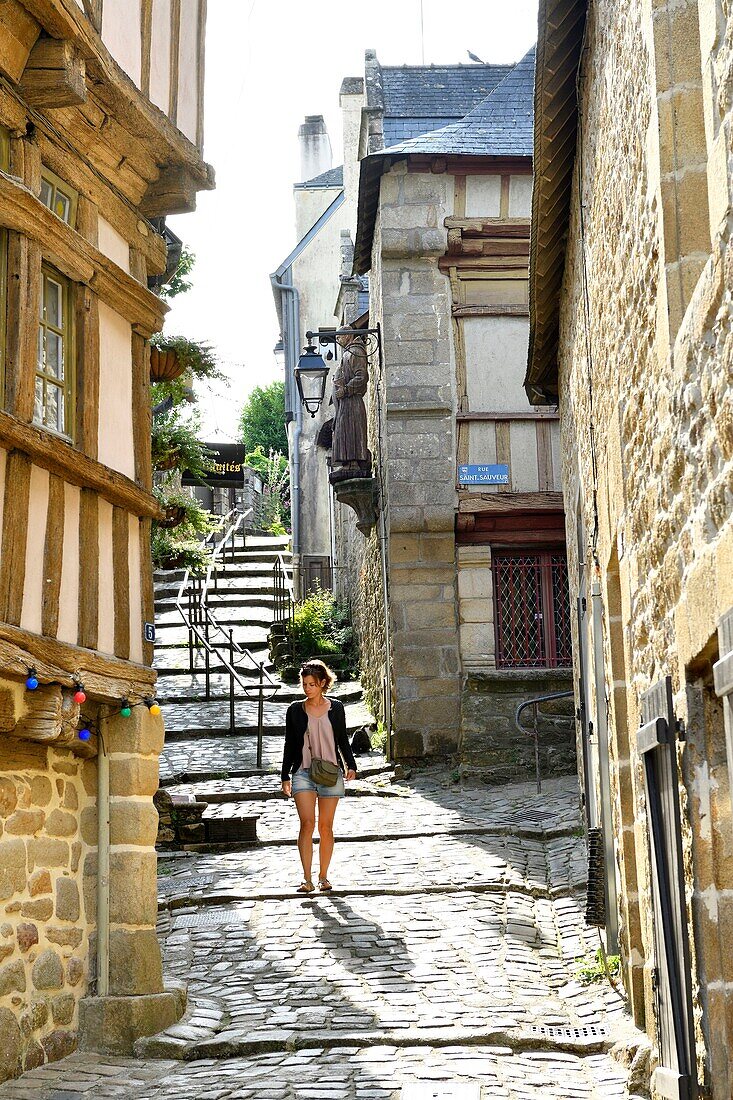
(179, 283)
(263, 419)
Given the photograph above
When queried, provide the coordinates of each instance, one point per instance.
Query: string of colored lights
(32, 683)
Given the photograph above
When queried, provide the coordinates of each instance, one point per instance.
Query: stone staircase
(199, 746)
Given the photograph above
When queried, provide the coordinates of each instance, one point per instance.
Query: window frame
(550, 629)
(57, 184)
(68, 353)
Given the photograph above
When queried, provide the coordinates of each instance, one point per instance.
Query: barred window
(532, 609)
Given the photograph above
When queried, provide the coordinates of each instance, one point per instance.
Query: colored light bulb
(80, 696)
(154, 708)
(32, 680)
(84, 734)
(126, 710)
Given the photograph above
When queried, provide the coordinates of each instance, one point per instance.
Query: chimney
(315, 147)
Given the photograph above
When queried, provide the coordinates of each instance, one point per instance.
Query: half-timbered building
(100, 137)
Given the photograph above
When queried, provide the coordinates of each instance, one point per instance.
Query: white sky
(269, 64)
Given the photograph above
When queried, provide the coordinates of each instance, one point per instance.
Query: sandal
(306, 887)
(324, 884)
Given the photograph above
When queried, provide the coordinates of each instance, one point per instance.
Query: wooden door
(675, 1078)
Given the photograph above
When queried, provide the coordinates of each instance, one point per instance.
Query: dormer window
(58, 197)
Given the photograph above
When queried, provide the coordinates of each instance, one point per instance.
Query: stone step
(187, 689)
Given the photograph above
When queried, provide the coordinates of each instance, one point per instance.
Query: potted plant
(178, 506)
(172, 356)
(170, 552)
(175, 445)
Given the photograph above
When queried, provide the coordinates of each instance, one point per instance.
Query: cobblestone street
(445, 955)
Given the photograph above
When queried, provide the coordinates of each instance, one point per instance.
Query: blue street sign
(498, 474)
(149, 631)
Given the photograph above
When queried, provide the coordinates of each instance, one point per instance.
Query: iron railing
(284, 603)
(203, 627)
(534, 731)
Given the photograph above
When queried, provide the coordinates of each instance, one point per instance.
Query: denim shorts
(303, 782)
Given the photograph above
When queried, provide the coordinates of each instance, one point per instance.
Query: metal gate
(675, 1077)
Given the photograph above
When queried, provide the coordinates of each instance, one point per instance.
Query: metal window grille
(532, 609)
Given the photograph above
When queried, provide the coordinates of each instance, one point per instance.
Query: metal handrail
(221, 548)
(200, 622)
(284, 599)
(534, 732)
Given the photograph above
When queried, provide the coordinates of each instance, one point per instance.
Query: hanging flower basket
(165, 364)
(174, 516)
(166, 462)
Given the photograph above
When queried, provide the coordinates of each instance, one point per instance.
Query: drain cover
(571, 1034)
(441, 1090)
(208, 919)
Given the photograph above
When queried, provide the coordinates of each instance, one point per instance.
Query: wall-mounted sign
(497, 474)
(149, 632)
(228, 459)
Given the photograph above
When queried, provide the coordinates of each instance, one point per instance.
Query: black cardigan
(296, 723)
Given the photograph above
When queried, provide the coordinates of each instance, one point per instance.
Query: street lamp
(310, 377)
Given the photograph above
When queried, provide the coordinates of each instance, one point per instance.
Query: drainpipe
(291, 339)
(605, 771)
(102, 862)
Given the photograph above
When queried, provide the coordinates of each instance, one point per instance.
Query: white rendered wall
(188, 82)
(106, 620)
(68, 628)
(31, 616)
(121, 35)
(115, 440)
(160, 55)
(114, 245)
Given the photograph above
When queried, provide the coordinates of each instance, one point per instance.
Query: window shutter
(723, 680)
(675, 1077)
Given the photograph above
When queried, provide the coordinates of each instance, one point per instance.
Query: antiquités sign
(228, 469)
(496, 474)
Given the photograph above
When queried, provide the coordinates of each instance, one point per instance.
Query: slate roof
(501, 125)
(334, 177)
(422, 98)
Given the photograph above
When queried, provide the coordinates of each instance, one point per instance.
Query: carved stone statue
(350, 456)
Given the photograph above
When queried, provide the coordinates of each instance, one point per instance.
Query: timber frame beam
(118, 92)
(77, 258)
(60, 457)
(105, 678)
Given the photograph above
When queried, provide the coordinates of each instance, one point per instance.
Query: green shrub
(591, 969)
(321, 627)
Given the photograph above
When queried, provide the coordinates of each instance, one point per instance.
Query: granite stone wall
(655, 403)
(48, 885)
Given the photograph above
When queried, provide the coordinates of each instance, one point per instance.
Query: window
(4, 149)
(532, 609)
(58, 197)
(53, 395)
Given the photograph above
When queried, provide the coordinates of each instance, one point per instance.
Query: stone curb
(190, 779)
(224, 897)
(203, 1019)
(234, 1044)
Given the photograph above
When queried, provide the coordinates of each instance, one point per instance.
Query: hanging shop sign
(228, 466)
(496, 474)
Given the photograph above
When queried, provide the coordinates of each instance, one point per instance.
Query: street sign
(227, 466)
(149, 632)
(497, 474)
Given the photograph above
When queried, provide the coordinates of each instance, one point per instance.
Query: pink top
(319, 740)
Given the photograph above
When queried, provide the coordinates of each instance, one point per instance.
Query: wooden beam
(528, 414)
(88, 569)
(141, 415)
(174, 192)
(514, 310)
(62, 458)
(505, 503)
(75, 257)
(120, 559)
(545, 473)
(86, 310)
(146, 38)
(175, 51)
(14, 536)
(55, 75)
(23, 305)
(147, 598)
(53, 552)
(18, 32)
(105, 678)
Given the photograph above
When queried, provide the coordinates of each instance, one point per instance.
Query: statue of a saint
(350, 455)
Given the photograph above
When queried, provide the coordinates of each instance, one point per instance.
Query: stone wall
(44, 931)
(490, 740)
(413, 299)
(48, 886)
(661, 421)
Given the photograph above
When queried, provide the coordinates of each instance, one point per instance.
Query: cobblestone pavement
(446, 953)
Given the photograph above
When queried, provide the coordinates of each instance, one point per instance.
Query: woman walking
(316, 747)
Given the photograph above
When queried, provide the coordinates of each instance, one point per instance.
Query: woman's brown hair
(320, 671)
